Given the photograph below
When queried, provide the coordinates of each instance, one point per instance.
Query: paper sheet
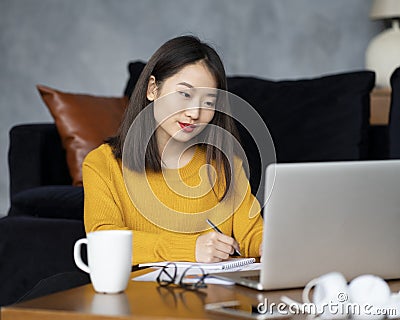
(230, 264)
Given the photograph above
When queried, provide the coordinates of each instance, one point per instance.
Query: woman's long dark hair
(168, 60)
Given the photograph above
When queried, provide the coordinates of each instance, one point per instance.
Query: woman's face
(184, 103)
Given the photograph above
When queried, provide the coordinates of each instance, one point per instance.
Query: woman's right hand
(214, 247)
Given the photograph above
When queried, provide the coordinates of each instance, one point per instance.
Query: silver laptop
(330, 216)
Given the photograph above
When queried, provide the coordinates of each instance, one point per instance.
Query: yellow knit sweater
(109, 204)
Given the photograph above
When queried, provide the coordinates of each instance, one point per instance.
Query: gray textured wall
(84, 46)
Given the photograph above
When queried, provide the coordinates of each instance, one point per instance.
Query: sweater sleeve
(247, 220)
(103, 211)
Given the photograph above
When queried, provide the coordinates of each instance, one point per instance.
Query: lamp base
(383, 54)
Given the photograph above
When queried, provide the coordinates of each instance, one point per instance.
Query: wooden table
(141, 300)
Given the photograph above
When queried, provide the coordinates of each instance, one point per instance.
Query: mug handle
(78, 257)
(307, 289)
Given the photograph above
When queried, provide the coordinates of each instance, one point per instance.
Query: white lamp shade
(383, 55)
(385, 9)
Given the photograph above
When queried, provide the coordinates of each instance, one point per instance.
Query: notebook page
(223, 265)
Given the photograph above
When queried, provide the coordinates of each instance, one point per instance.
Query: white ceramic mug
(109, 255)
(330, 288)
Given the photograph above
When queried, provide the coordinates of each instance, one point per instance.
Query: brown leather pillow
(83, 122)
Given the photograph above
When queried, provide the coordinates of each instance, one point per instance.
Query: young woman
(177, 166)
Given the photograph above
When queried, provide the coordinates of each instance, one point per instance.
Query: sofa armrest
(36, 157)
(33, 249)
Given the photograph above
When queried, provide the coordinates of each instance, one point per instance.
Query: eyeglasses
(191, 278)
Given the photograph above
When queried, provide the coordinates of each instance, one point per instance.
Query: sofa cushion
(49, 202)
(135, 68)
(83, 122)
(320, 119)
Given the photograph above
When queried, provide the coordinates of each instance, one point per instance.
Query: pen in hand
(215, 228)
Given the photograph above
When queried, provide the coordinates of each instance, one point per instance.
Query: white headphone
(366, 297)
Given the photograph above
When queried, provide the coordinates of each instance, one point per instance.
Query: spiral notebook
(223, 265)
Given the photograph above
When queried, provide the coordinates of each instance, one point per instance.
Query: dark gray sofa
(321, 119)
